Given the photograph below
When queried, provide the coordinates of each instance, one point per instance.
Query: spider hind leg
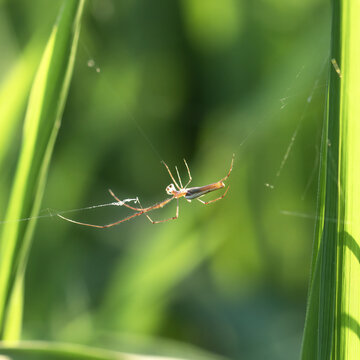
(211, 201)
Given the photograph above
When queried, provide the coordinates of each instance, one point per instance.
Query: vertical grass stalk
(42, 121)
(332, 327)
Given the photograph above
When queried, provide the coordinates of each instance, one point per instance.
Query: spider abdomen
(196, 192)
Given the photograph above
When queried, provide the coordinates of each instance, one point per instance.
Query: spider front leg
(171, 175)
(100, 226)
(161, 221)
(211, 201)
(188, 170)
(124, 203)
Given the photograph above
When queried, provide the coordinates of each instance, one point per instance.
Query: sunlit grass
(200, 280)
(48, 351)
(333, 315)
(42, 121)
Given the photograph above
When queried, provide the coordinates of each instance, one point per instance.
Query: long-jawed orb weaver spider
(189, 194)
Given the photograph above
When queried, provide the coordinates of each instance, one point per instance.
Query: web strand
(298, 126)
(52, 213)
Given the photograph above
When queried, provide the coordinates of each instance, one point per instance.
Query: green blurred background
(190, 79)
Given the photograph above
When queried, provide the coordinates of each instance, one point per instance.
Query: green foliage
(42, 121)
(333, 307)
(164, 80)
(48, 351)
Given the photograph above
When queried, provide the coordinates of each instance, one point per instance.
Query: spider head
(170, 189)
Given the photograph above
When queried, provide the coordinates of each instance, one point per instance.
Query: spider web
(290, 96)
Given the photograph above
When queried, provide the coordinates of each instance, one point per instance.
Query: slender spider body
(196, 192)
(175, 190)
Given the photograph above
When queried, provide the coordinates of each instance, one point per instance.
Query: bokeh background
(166, 80)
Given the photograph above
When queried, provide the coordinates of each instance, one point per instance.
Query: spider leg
(177, 171)
(231, 166)
(141, 209)
(123, 203)
(139, 212)
(100, 226)
(172, 218)
(211, 201)
(188, 170)
(114, 196)
(172, 178)
(145, 212)
(160, 221)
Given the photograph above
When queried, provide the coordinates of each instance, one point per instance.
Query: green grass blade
(14, 313)
(333, 314)
(13, 95)
(348, 294)
(36, 350)
(45, 108)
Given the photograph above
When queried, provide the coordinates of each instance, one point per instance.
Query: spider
(175, 191)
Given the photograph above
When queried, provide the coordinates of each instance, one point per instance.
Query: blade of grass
(32, 350)
(348, 294)
(43, 116)
(13, 94)
(333, 315)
